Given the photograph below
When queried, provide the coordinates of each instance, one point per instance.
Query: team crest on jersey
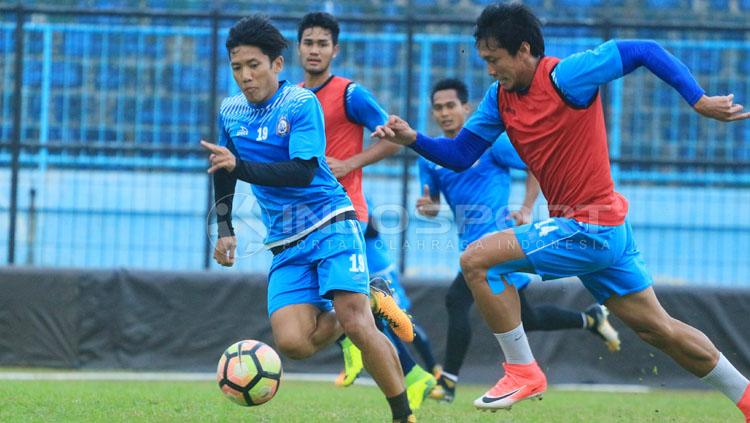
(282, 128)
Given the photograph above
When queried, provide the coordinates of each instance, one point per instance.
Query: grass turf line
(98, 401)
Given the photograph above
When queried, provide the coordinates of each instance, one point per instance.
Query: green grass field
(127, 401)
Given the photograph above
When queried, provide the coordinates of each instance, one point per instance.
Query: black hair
(509, 25)
(258, 31)
(451, 84)
(320, 19)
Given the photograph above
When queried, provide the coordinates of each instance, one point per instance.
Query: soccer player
(478, 198)
(552, 112)
(348, 108)
(272, 136)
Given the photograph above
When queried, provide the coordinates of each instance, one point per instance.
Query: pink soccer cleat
(521, 381)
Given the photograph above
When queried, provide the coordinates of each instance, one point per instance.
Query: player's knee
(471, 265)
(356, 327)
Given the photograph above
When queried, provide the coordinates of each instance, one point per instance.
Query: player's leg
(424, 349)
(458, 301)
(301, 330)
(635, 303)
(548, 317)
(421, 342)
(686, 345)
(419, 382)
(302, 321)
(500, 307)
(342, 275)
(378, 354)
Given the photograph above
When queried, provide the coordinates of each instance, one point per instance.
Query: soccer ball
(249, 373)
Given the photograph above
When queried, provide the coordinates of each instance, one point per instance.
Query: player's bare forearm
(721, 108)
(524, 216)
(374, 153)
(532, 191)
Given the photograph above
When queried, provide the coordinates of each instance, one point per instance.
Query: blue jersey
(478, 196)
(362, 108)
(289, 125)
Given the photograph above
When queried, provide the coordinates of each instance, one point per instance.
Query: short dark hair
(510, 25)
(451, 84)
(321, 19)
(258, 31)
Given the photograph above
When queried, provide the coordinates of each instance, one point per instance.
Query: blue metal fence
(113, 114)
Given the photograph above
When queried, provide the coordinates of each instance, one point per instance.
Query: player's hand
(396, 130)
(220, 157)
(521, 216)
(721, 107)
(425, 205)
(339, 167)
(224, 250)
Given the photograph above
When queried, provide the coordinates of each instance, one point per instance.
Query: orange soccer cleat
(521, 382)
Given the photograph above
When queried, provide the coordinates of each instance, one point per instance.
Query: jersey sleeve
(579, 76)
(485, 122)
(307, 130)
(428, 177)
(505, 155)
(224, 138)
(362, 108)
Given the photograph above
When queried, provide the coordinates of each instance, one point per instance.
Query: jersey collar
(320, 87)
(264, 104)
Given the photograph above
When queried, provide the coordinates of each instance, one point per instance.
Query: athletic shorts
(494, 278)
(330, 258)
(605, 258)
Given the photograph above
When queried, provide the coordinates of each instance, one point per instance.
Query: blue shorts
(605, 258)
(331, 258)
(494, 278)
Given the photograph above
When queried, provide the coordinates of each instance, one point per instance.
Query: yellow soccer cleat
(419, 384)
(352, 363)
(384, 306)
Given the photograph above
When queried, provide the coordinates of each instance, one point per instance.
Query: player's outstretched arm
(636, 53)
(580, 75)
(457, 154)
